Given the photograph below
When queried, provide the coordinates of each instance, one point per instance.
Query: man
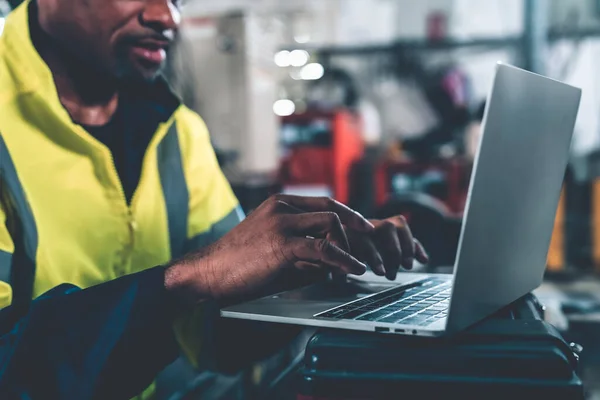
(107, 182)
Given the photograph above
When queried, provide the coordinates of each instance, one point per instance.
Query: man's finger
(281, 207)
(407, 242)
(362, 247)
(388, 245)
(348, 216)
(420, 253)
(319, 225)
(323, 252)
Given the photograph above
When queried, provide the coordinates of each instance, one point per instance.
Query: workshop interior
(379, 104)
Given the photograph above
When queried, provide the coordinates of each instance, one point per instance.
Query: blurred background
(378, 103)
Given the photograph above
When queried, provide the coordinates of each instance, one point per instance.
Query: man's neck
(91, 98)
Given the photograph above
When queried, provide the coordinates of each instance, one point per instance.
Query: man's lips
(151, 51)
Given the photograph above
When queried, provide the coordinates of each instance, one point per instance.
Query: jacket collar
(28, 71)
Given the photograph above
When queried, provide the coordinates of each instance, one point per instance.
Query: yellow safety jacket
(60, 195)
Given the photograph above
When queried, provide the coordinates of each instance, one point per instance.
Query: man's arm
(111, 339)
(207, 340)
(108, 341)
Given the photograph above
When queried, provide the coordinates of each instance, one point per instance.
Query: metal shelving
(532, 43)
(421, 45)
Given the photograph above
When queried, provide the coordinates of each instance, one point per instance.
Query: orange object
(348, 148)
(329, 164)
(556, 252)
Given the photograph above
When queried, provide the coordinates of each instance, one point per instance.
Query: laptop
(508, 221)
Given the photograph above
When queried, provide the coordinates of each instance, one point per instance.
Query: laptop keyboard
(420, 303)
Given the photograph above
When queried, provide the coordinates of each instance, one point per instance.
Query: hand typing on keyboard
(388, 247)
(288, 242)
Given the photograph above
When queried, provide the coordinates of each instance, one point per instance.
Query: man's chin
(139, 74)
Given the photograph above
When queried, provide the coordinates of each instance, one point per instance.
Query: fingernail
(379, 270)
(365, 222)
(409, 263)
(391, 275)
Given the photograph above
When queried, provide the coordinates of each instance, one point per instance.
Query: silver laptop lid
(513, 194)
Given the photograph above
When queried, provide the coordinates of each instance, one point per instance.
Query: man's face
(125, 38)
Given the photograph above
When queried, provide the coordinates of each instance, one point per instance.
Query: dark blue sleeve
(109, 341)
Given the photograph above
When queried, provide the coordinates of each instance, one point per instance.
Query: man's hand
(389, 246)
(285, 242)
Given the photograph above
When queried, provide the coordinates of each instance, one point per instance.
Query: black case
(514, 354)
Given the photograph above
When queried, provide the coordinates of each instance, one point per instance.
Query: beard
(127, 70)
(127, 67)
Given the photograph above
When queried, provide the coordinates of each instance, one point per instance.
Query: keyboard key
(398, 317)
(352, 314)
(394, 308)
(417, 319)
(421, 307)
(428, 312)
(410, 302)
(374, 316)
(439, 307)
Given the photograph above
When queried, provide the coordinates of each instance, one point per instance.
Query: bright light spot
(1, 25)
(282, 58)
(302, 38)
(312, 72)
(284, 107)
(298, 58)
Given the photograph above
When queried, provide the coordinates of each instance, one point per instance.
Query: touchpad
(334, 291)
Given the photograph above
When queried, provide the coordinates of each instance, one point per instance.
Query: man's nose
(162, 16)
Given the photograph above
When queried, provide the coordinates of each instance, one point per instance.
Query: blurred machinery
(324, 155)
(321, 149)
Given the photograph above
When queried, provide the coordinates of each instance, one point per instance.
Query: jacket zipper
(131, 223)
(159, 135)
(123, 267)
(161, 132)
